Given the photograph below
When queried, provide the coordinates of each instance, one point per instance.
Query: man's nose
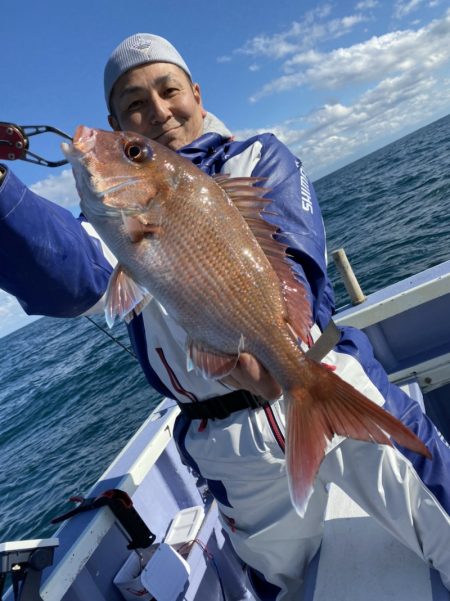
(160, 111)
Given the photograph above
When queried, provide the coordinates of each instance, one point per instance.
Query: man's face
(158, 101)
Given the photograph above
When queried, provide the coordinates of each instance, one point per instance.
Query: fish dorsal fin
(248, 198)
(124, 297)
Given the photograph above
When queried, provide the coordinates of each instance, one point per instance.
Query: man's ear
(198, 97)
(197, 93)
(113, 123)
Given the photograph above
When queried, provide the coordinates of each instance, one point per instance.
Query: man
(160, 101)
(149, 90)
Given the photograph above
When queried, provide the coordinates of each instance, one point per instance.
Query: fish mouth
(83, 142)
(84, 138)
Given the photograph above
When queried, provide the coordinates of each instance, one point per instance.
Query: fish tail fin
(332, 406)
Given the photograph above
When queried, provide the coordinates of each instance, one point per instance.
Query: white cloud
(366, 4)
(300, 36)
(408, 88)
(332, 135)
(392, 53)
(58, 188)
(12, 315)
(402, 8)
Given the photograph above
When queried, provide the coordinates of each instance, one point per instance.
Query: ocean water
(391, 209)
(70, 397)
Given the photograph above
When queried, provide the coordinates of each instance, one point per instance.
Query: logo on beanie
(141, 44)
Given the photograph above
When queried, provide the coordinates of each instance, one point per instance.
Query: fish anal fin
(331, 406)
(124, 297)
(211, 364)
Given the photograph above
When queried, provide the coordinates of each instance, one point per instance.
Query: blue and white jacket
(55, 265)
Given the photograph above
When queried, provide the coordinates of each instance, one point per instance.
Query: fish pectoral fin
(140, 225)
(332, 406)
(210, 364)
(124, 297)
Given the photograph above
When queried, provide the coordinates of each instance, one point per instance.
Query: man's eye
(134, 105)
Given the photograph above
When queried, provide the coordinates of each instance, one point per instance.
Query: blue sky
(334, 80)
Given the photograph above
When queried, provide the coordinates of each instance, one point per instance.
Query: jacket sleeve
(47, 259)
(299, 221)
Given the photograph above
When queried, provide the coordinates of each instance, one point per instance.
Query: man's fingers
(250, 375)
(251, 367)
(231, 382)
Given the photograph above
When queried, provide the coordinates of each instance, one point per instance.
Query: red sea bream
(200, 246)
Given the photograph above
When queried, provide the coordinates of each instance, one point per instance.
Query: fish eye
(136, 151)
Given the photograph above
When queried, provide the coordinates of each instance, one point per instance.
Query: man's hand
(250, 375)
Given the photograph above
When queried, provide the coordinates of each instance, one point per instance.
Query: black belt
(222, 406)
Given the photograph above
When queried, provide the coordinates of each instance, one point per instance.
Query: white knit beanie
(139, 49)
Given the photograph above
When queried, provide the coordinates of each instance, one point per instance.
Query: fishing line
(125, 348)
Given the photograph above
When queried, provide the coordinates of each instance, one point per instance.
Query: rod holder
(351, 284)
(25, 561)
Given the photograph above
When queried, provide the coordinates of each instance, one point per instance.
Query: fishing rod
(14, 145)
(116, 340)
